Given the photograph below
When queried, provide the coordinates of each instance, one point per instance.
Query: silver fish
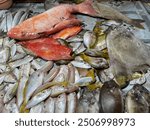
(71, 103)
(35, 80)
(81, 64)
(41, 96)
(11, 92)
(49, 106)
(11, 107)
(52, 74)
(24, 77)
(20, 62)
(17, 17)
(2, 94)
(38, 108)
(60, 104)
(9, 19)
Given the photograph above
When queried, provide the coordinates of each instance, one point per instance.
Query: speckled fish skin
(127, 53)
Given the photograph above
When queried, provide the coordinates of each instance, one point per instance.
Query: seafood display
(52, 64)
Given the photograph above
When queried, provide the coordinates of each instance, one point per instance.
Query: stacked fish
(9, 19)
(58, 66)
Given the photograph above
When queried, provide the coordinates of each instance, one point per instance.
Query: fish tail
(137, 23)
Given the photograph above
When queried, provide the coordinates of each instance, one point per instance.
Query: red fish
(61, 17)
(68, 32)
(48, 49)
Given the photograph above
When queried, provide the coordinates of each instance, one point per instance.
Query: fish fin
(137, 23)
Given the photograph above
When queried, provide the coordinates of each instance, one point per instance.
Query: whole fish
(127, 53)
(47, 48)
(61, 17)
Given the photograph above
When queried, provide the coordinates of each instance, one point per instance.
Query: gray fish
(127, 53)
(107, 12)
(135, 101)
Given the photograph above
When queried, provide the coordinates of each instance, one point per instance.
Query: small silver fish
(60, 104)
(49, 106)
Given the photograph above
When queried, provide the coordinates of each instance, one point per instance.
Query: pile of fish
(58, 66)
(9, 19)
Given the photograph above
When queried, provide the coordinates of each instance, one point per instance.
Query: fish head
(17, 33)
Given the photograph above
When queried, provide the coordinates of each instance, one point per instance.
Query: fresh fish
(60, 104)
(137, 100)
(47, 48)
(52, 74)
(34, 82)
(2, 77)
(61, 17)
(18, 56)
(17, 17)
(71, 73)
(63, 74)
(3, 26)
(96, 62)
(6, 54)
(57, 90)
(49, 105)
(20, 62)
(11, 92)
(68, 32)
(38, 108)
(84, 81)
(89, 39)
(2, 94)
(127, 53)
(81, 64)
(9, 19)
(41, 96)
(111, 98)
(88, 102)
(24, 77)
(13, 50)
(11, 107)
(24, 16)
(10, 78)
(71, 103)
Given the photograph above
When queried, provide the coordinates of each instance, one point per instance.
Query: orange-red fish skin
(48, 50)
(68, 32)
(50, 21)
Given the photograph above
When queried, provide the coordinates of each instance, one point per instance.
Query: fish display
(59, 66)
(61, 17)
